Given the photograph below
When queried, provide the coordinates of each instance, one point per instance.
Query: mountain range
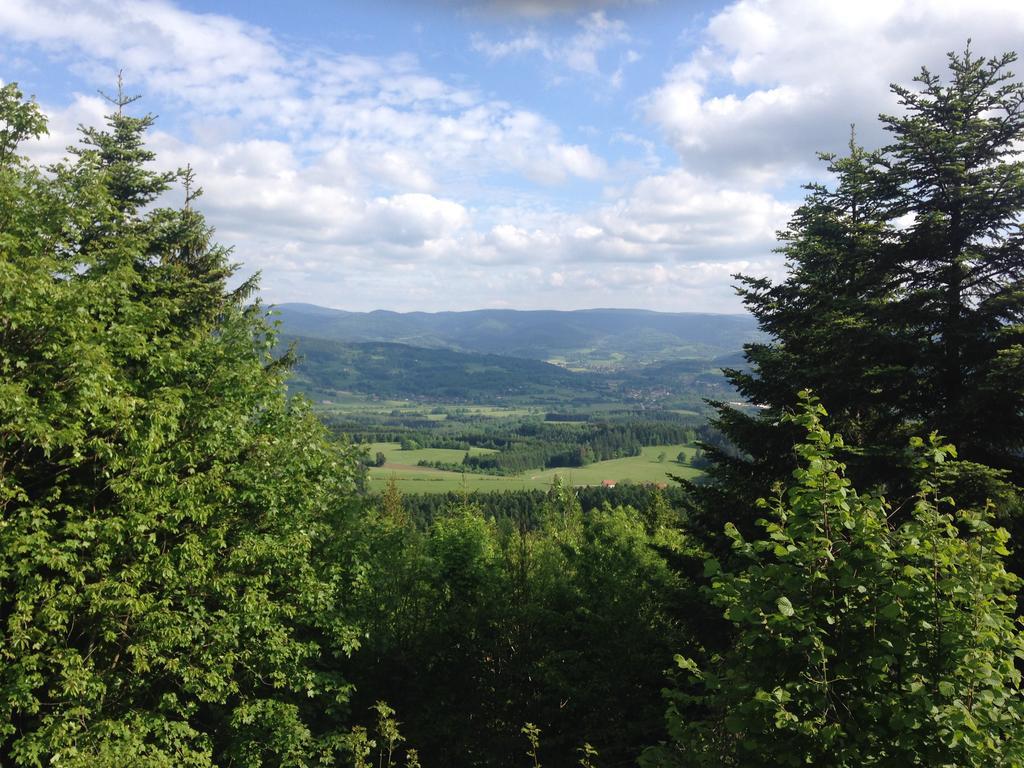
(558, 358)
(589, 339)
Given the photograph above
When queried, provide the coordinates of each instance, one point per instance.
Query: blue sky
(461, 154)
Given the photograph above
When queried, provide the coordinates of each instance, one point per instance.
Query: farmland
(411, 478)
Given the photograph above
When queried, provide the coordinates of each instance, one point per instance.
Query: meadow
(410, 478)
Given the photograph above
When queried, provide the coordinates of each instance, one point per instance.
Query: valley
(438, 403)
(580, 340)
(238, 537)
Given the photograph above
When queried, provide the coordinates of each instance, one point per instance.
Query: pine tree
(120, 154)
(961, 262)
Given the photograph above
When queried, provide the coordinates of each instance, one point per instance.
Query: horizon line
(274, 305)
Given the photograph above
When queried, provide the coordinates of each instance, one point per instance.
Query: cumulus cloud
(396, 122)
(261, 186)
(356, 180)
(681, 212)
(176, 53)
(775, 79)
(337, 174)
(335, 149)
(673, 219)
(671, 230)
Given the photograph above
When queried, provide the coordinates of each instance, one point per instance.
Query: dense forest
(323, 368)
(190, 574)
(593, 339)
(532, 446)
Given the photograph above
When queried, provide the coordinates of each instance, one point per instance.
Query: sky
(465, 154)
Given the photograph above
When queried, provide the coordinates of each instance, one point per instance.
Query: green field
(345, 403)
(410, 478)
(394, 454)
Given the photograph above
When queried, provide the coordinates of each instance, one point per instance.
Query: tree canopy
(903, 304)
(192, 575)
(859, 641)
(161, 501)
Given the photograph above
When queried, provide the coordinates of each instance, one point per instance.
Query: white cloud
(672, 230)
(62, 127)
(578, 161)
(579, 53)
(528, 42)
(598, 33)
(323, 169)
(673, 219)
(185, 55)
(777, 79)
(414, 219)
(260, 187)
(401, 126)
(366, 181)
(684, 213)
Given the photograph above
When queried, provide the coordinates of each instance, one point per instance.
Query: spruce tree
(903, 304)
(163, 505)
(960, 263)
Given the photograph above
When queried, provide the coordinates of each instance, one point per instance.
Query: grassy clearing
(341, 403)
(393, 454)
(644, 468)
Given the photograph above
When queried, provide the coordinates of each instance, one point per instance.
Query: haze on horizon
(468, 154)
(318, 307)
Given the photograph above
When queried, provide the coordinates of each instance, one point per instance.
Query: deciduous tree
(858, 642)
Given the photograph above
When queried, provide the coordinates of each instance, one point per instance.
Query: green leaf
(785, 607)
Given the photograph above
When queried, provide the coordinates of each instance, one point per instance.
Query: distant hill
(594, 339)
(399, 371)
(392, 370)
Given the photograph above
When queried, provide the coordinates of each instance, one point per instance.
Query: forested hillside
(324, 368)
(591, 338)
(400, 370)
(193, 574)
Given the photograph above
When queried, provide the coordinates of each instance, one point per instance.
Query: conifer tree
(120, 154)
(903, 305)
(960, 264)
(162, 503)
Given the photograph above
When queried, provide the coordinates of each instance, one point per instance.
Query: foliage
(190, 574)
(476, 626)
(903, 306)
(20, 120)
(386, 744)
(858, 641)
(162, 504)
(526, 506)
